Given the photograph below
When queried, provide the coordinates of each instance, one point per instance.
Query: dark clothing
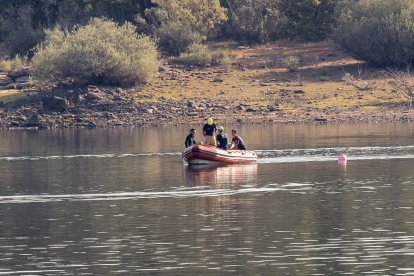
(222, 141)
(189, 141)
(209, 130)
(237, 140)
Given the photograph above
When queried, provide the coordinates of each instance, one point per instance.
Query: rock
(21, 118)
(192, 113)
(35, 120)
(14, 123)
(241, 108)
(17, 74)
(78, 118)
(250, 109)
(5, 82)
(22, 85)
(265, 84)
(322, 120)
(149, 111)
(91, 124)
(239, 120)
(272, 109)
(119, 90)
(117, 98)
(217, 80)
(76, 97)
(94, 96)
(22, 79)
(299, 92)
(54, 104)
(191, 104)
(9, 86)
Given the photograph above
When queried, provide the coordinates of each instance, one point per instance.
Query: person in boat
(209, 131)
(221, 138)
(237, 142)
(190, 140)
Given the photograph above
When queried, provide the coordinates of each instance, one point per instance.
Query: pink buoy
(342, 159)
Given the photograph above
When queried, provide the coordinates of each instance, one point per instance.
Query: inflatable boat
(209, 155)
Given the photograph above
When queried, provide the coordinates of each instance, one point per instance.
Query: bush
(175, 38)
(200, 55)
(380, 32)
(255, 20)
(222, 58)
(292, 63)
(196, 54)
(180, 23)
(100, 52)
(309, 19)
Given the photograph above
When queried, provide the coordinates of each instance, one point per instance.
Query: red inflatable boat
(200, 155)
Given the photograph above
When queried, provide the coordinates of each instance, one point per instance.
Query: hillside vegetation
(238, 60)
(377, 31)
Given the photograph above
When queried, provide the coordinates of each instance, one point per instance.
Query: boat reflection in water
(224, 184)
(221, 176)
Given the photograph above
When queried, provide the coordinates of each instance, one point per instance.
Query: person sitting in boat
(237, 142)
(190, 140)
(209, 131)
(221, 138)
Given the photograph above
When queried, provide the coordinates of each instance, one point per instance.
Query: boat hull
(209, 155)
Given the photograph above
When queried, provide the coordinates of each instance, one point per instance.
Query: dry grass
(258, 77)
(11, 95)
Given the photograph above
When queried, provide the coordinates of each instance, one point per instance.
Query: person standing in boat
(190, 140)
(221, 138)
(209, 131)
(237, 142)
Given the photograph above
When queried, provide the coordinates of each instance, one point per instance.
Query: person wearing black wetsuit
(237, 142)
(190, 140)
(221, 138)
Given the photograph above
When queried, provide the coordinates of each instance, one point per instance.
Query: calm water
(120, 202)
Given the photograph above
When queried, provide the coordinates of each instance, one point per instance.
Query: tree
(380, 32)
(309, 19)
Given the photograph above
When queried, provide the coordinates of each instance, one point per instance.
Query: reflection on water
(221, 176)
(120, 202)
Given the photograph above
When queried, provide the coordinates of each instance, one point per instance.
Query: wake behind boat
(205, 155)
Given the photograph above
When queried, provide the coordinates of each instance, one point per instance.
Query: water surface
(120, 202)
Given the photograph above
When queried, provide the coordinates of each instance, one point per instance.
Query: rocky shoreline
(255, 90)
(93, 106)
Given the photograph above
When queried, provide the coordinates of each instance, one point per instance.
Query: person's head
(192, 131)
(220, 129)
(210, 121)
(233, 132)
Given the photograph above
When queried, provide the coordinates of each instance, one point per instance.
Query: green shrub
(100, 52)
(222, 58)
(380, 32)
(292, 63)
(15, 64)
(196, 54)
(180, 23)
(309, 19)
(200, 55)
(256, 20)
(175, 38)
